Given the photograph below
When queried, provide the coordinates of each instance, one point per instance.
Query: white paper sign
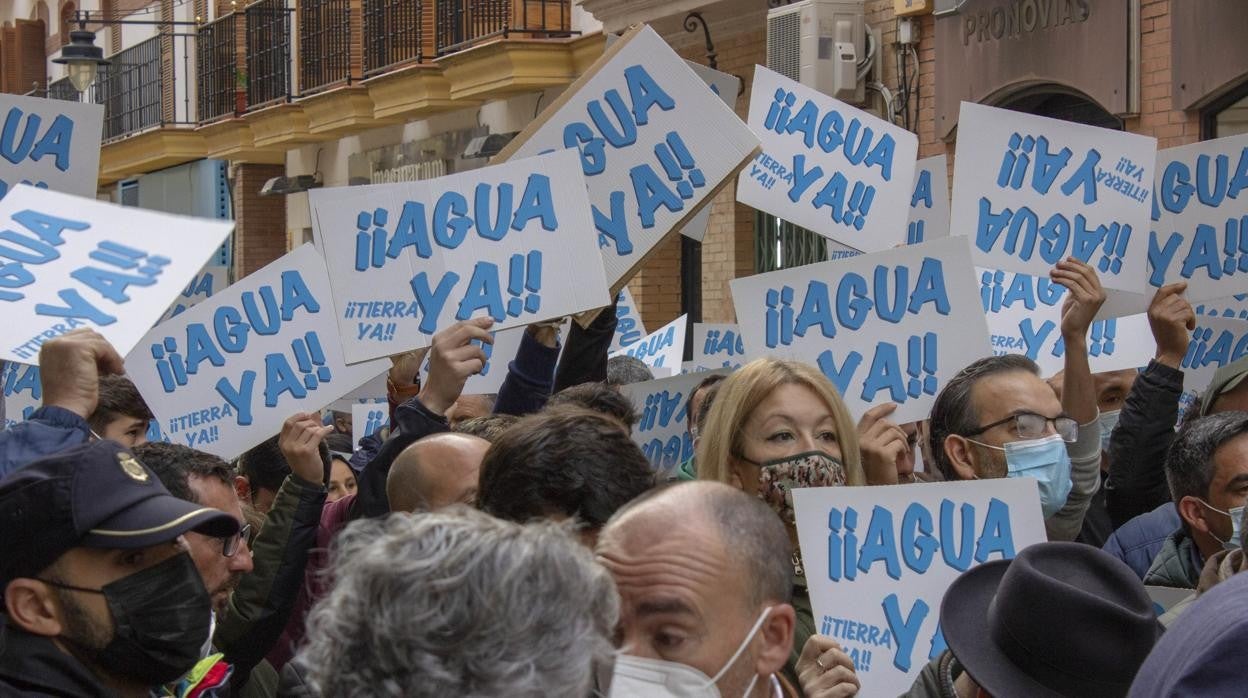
(1215, 342)
(1025, 317)
(727, 87)
(1233, 307)
(654, 145)
(1031, 191)
(929, 204)
(371, 392)
(51, 144)
(888, 326)
(72, 262)
(1200, 219)
(628, 326)
(23, 393)
(223, 376)
(412, 258)
(367, 420)
(827, 166)
(717, 346)
(208, 281)
(662, 430)
(879, 559)
(497, 358)
(661, 350)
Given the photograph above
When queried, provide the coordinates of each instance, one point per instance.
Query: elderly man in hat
(101, 597)
(1060, 619)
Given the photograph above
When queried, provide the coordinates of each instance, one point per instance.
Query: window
(1227, 116)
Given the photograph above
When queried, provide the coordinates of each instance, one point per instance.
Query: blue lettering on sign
(1211, 252)
(727, 344)
(653, 346)
(1210, 347)
(22, 378)
(627, 329)
(1032, 293)
(1214, 182)
(23, 140)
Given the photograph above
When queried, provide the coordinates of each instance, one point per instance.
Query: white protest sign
(628, 326)
(72, 262)
(879, 559)
(51, 144)
(23, 392)
(1031, 191)
(1025, 317)
(497, 357)
(888, 326)
(1200, 218)
(661, 350)
(367, 420)
(929, 204)
(717, 346)
(1165, 598)
(662, 429)
(838, 251)
(827, 166)
(223, 376)
(412, 258)
(1232, 307)
(373, 391)
(1216, 342)
(727, 87)
(209, 280)
(655, 144)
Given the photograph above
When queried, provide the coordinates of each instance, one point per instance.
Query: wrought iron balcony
(325, 30)
(221, 83)
(63, 89)
(396, 32)
(147, 85)
(268, 53)
(465, 23)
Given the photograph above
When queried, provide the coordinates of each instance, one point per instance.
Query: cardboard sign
(373, 391)
(827, 166)
(409, 259)
(663, 349)
(878, 561)
(1025, 317)
(208, 281)
(888, 326)
(1216, 342)
(367, 420)
(727, 87)
(497, 358)
(69, 262)
(929, 204)
(1031, 191)
(1200, 219)
(50, 144)
(654, 143)
(628, 326)
(662, 431)
(23, 393)
(717, 346)
(1233, 307)
(223, 376)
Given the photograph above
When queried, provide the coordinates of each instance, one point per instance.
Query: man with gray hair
(458, 603)
(625, 370)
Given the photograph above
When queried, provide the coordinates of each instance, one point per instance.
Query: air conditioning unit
(819, 43)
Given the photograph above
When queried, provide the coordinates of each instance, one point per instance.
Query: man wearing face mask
(705, 578)
(101, 597)
(998, 418)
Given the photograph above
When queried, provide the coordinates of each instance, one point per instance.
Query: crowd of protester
(519, 544)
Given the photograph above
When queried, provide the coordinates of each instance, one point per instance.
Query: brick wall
(1158, 117)
(259, 222)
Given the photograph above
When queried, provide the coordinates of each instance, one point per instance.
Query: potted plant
(240, 91)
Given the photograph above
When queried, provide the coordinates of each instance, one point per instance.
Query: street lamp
(81, 57)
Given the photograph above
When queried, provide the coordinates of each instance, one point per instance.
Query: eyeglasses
(229, 544)
(1029, 425)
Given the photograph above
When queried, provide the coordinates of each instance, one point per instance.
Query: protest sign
(367, 420)
(1200, 219)
(497, 357)
(1216, 342)
(50, 144)
(1025, 317)
(628, 326)
(412, 258)
(662, 428)
(879, 559)
(23, 393)
(223, 376)
(717, 346)
(1232, 307)
(373, 391)
(661, 350)
(929, 204)
(654, 143)
(827, 166)
(1031, 191)
(69, 262)
(888, 326)
(727, 87)
(1165, 598)
(838, 251)
(208, 281)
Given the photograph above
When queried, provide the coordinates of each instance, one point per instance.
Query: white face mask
(641, 677)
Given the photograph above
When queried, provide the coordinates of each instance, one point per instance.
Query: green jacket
(1177, 565)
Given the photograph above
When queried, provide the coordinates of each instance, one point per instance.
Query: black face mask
(161, 619)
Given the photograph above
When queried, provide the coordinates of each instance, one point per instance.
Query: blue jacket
(1139, 540)
(48, 430)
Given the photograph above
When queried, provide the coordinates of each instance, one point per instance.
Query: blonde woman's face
(793, 419)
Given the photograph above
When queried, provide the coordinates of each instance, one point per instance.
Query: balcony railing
(394, 34)
(63, 89)
(464, 23)
(268, 53)
(141, 89)
(219, 79)
(325, 28)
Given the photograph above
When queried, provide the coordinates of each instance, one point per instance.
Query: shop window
(1227, 116)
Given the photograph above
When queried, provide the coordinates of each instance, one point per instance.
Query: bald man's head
(435, 472)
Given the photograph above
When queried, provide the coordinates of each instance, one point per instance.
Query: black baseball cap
(96, 495)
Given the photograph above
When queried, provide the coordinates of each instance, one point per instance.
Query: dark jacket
(1138, 541)
(936, 679)
(584, 357)
(48, 430)
(530, 378)
(31, 665)
(1177, 565)
(1137, 448)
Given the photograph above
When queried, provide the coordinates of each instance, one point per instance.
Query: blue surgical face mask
(1108, 421)
(1236, 516)
(1044, 460)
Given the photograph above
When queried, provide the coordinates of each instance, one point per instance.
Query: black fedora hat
(1060, 619)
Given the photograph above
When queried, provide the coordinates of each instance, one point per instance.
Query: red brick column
(259, 222)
